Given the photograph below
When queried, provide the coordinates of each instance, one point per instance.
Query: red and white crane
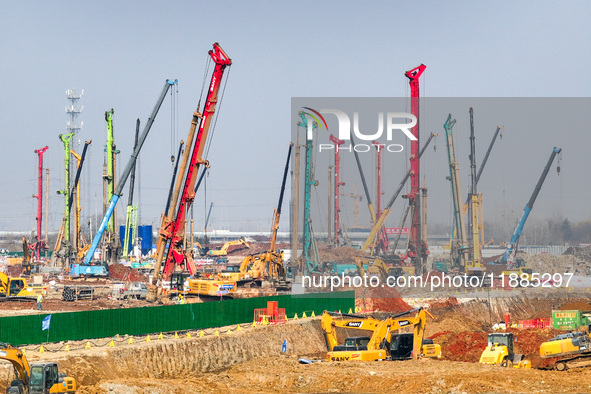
(40, 244)
(173, 230)
(417, 248)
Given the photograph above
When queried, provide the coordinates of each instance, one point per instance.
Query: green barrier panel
(72, 326)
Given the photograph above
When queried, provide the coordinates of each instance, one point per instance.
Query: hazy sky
(121, 53)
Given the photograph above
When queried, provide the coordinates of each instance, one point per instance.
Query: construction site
(447, 252)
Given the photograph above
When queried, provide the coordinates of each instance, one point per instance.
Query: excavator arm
(349, 321)
(18, 361)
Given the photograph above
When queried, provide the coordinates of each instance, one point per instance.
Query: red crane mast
(176, 254)
(420, 250)
(40, 244)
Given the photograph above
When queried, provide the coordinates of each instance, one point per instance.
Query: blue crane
(509, 255)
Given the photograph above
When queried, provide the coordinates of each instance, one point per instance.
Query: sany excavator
(511, 251)
(385, 342)
(173, 225)
(223, 251)
(267, 265)
(37, 378)
(573, 348)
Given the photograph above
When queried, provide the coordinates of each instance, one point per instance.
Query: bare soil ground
(250, 361)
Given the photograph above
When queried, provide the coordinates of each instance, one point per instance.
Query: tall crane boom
(176, 254)
(420, 249)
(460, 249)
(308, 263)
(508, 256)
(337, 185)
(40, 244)
(277, 215)
(129, 213)
(126, 172)
(370, 241)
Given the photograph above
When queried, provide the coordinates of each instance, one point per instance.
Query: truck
(137, 290)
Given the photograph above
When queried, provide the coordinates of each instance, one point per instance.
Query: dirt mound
(576, 306)
(120, 272)
(462, 346)
(582, 253)
(383, 299)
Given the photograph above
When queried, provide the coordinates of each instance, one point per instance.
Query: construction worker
(40, 302)
(181, 299)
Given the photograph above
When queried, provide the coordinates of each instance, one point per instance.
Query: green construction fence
(71, 326)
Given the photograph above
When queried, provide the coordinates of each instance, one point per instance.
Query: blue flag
(45, 323)
(284, 346)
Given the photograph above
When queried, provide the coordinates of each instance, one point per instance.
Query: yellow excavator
(385, 343)
(18, 288)
(38, 378)
(499, 351)
(267, 265)
(573, 348)
(223, 251)
(375, 266)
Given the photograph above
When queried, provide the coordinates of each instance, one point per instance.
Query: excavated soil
(250, 361)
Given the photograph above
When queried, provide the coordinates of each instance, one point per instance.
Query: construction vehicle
(122, 180)
(460, 249)
(40, 245)
(132, 210)
(511, 250)
(264, 266)
(384, 343)
(19, 288)
(417, 246)
(308, 262)
(372, 238)
(573, 348)
(223, 251)
(171, 232)
(499, 351)
(37, 378)
(375, 266)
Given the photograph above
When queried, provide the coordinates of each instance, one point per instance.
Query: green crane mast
(309, 262)
(66, 192)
